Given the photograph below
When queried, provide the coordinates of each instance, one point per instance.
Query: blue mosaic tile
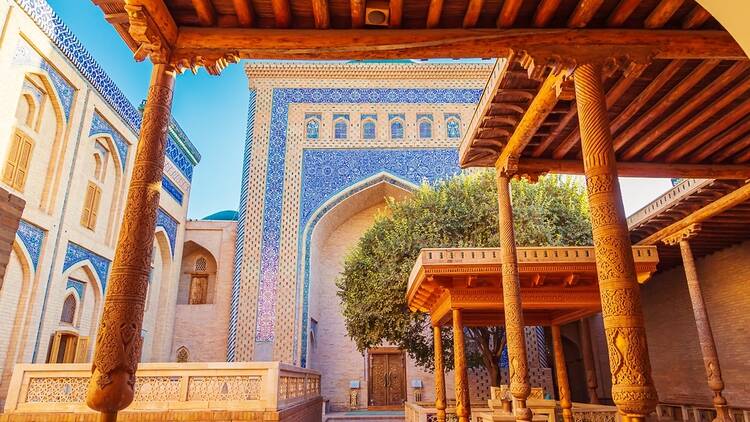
(100, 126)
(77, 285)
(453, 125)
(327, 173)
(169, 224)
(172, 189)
(72, 48)
(240, 242)
(26, 55)
(32, 237)
(76, 253)
(275, 174)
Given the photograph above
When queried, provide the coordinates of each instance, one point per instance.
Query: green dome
(226, 215)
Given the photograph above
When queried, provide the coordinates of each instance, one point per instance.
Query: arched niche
(197, 276)
(157, 314)
(15, 293)
(112, 183)
(334, 228)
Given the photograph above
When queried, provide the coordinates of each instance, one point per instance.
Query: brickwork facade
(675, 354)
(68, 144)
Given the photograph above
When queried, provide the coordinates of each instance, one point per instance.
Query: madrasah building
(326, 144)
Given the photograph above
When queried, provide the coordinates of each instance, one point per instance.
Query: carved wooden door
(387, 379)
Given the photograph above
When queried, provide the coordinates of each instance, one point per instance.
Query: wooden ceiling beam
(508, 13)
(358, 13)
(162, 17)
(613, 95)
(688, 129)
(564, 122)
(685, 109)
(282, 13)
(545, 12)
(577, 44)
(662, 13)
(724, 203)
(640, 169)
(321, 14)
(434, 13)
(472, 13)
(542, 104)
(696, 18)
(245, 14)
(661, 107)
(396, 11)
(710, 133)
(735, 133)
(583, 13)
(736, 148)
(622, 12)
(205, 11)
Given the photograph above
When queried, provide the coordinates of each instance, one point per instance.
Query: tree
(459, 212)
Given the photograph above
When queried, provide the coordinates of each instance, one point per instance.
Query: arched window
(91, 206)
(369, 129)
(312, 129)
(340, 129)
(425, 129)
(454, 128)
(98, 167)
(397, 129)
(69, 310)
(26, 111)
(183, 354)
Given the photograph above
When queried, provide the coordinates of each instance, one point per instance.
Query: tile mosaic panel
(169, 224)
(27, 56)
(76, 253)
(172, 189)
(77, 285)
(101, 126)
(275, 174)
(32, 237)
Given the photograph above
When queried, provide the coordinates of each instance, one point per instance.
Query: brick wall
(11, 208)
(673, 345)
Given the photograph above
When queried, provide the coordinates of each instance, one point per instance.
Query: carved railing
(262, 386)
(697, 413)
(584, 412)
(426, 412)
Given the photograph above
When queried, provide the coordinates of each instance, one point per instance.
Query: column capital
(687, 233)
(507, 166)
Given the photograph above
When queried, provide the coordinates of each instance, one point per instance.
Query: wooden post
(118, 342)
(632, 388)
(440, 402)
(705, 335)
(514, 326)
(463, 406)
(562, 375)
(588, 361)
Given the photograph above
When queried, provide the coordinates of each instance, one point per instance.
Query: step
(367, 416)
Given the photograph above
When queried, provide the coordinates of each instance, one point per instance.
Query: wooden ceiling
(719, 207)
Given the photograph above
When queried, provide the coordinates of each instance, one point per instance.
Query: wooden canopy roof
(213, 33)
(715, 212)
(558, 284)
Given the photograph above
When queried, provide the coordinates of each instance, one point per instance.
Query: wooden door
(387, 379)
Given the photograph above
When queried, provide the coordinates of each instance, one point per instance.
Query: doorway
(386, 386)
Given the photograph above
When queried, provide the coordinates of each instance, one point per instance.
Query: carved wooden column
(588, 360)
(632, 388)
(463, 406)
(514, 326)
(118, 342)
(705, 335)
(561, 371)
(440, 402)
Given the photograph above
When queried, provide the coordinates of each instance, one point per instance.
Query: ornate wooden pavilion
(463, 287)
(598, 87)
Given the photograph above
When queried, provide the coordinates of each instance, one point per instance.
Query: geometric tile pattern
(76, 253)
(169, 224)
(274, 186)
(172, 189)
(100, 126)
(32, 237)
(78, 286)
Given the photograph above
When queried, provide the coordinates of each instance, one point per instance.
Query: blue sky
(213, 111)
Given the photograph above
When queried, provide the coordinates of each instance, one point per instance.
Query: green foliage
(459, 212)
